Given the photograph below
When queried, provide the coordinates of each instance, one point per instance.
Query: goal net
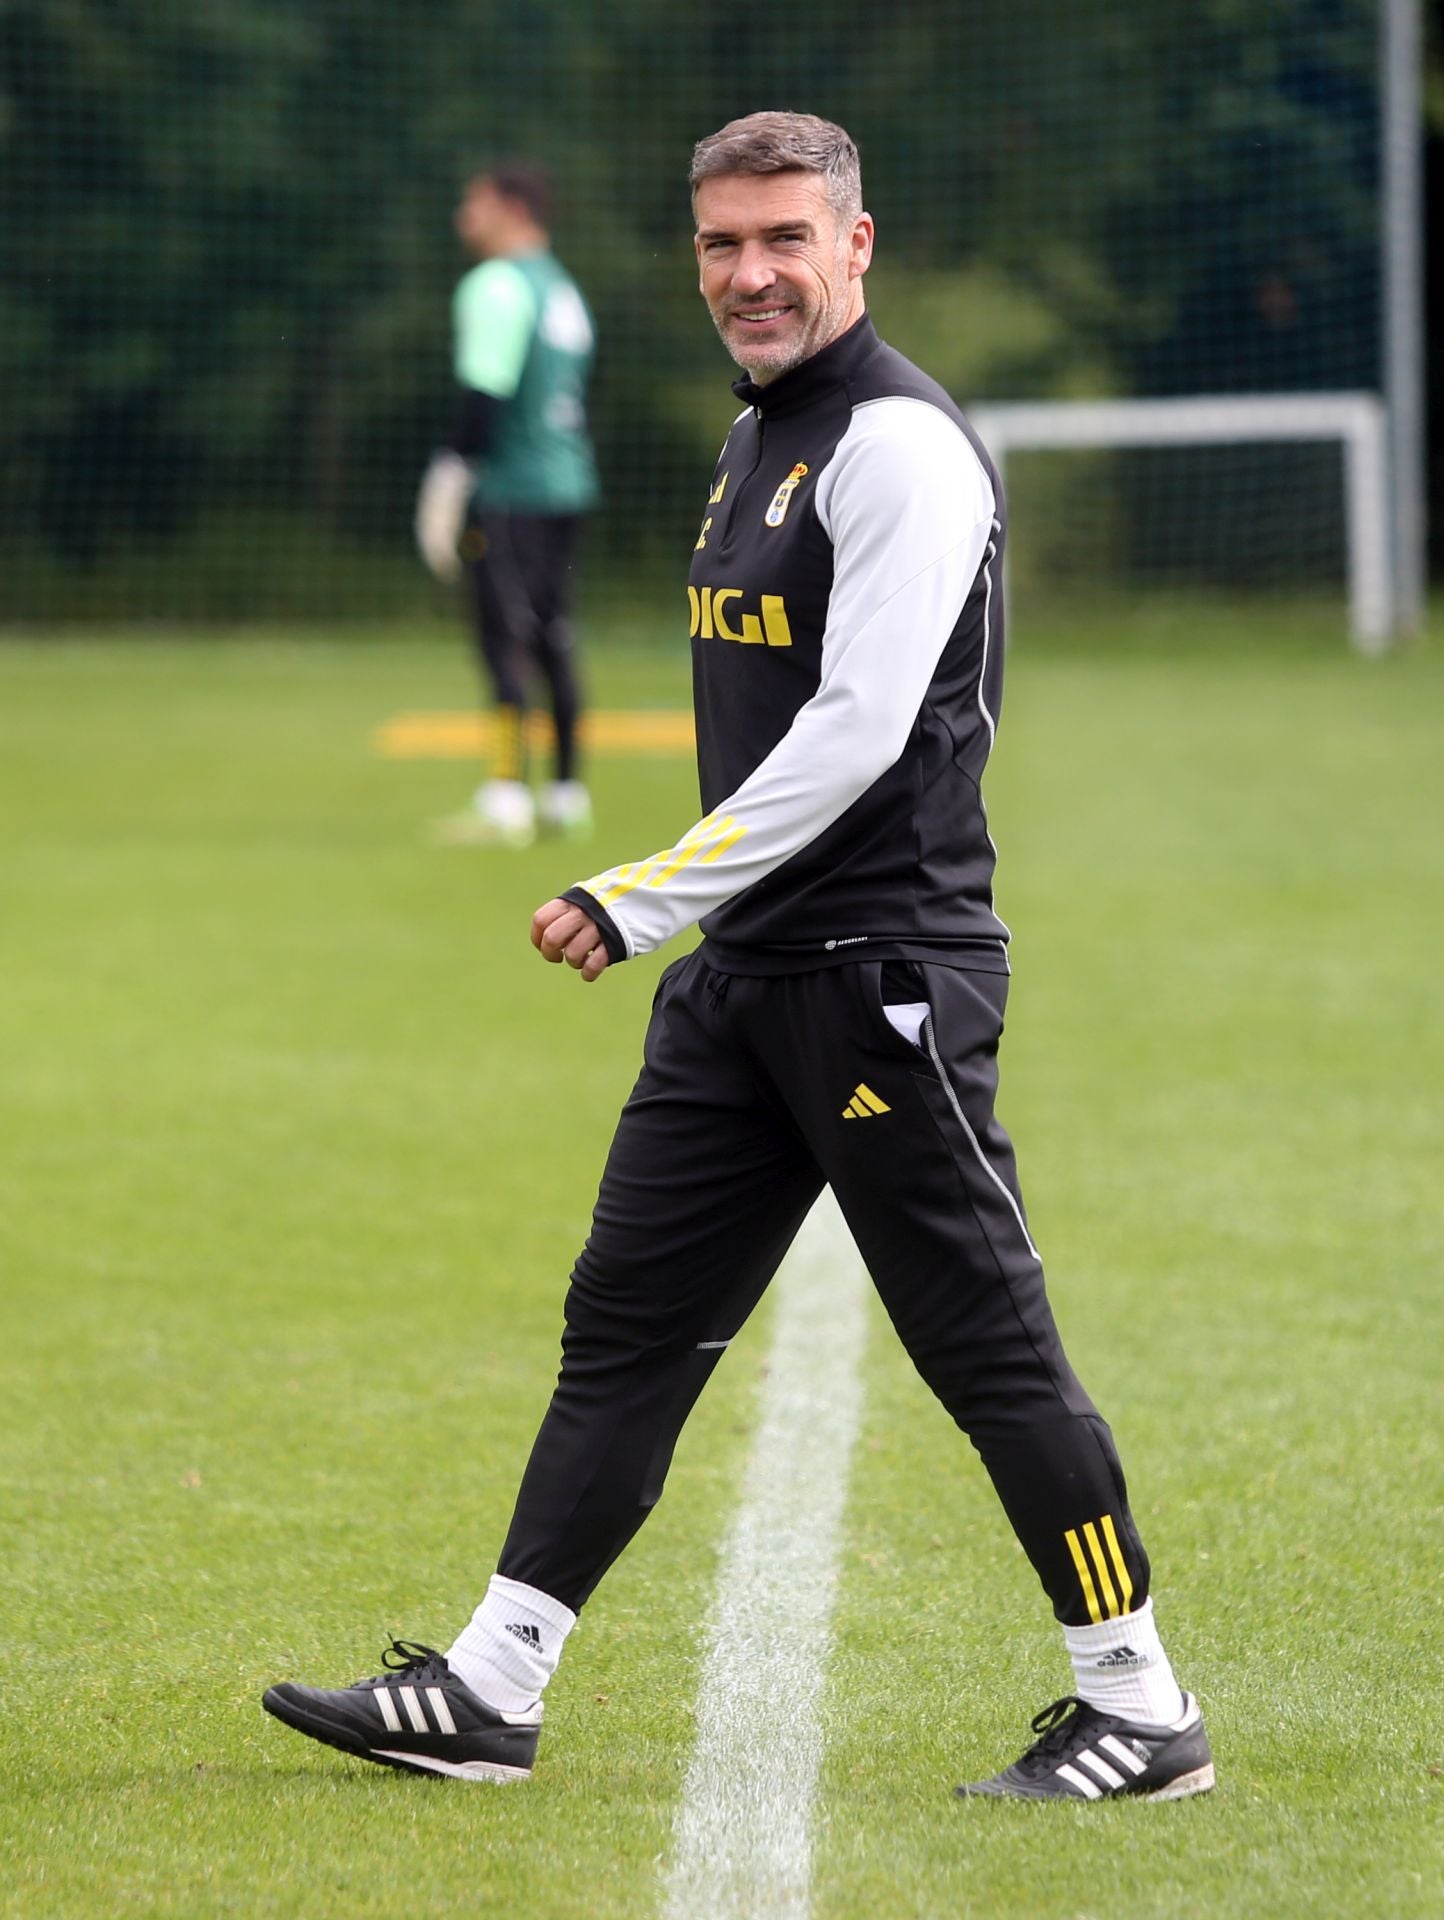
(1142, 241)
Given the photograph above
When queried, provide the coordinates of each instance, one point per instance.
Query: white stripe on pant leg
(983, 1160)
(743, 1844)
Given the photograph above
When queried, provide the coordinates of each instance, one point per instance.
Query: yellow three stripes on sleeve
(707, 841)
(1114, 1600)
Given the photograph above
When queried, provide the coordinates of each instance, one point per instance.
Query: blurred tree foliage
(225, 228)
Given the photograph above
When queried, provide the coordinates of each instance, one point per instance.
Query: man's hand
(560, 931)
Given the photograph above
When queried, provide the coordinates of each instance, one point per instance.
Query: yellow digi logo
(715, 615)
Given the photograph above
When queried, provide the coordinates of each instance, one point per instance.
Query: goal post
(1358, 421)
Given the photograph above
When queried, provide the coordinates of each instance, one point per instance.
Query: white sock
(510, 1647)
(1120, 1668)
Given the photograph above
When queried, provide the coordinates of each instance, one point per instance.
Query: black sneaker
(1087, 1755)
(417, 1715)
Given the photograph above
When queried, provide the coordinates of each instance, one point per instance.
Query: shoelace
(1057, 1725)
(410, 1659)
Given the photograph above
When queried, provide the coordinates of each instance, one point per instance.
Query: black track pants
(754, 1092)
(522, 570)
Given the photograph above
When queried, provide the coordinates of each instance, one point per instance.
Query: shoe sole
(1201, 1780)
(453, 1769)
(345, 1740)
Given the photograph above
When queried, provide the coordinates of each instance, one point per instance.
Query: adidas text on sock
(510, 1648)
(1120, 1667)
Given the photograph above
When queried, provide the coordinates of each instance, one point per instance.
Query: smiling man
(839, 1024)
(781, 272)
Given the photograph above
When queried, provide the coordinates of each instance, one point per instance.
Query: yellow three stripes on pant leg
(1107, 1565)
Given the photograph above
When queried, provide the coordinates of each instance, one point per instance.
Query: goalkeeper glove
(441, 513)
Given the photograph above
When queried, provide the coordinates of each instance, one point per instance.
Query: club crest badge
(782, 499)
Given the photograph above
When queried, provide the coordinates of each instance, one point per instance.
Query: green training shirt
(524, 335)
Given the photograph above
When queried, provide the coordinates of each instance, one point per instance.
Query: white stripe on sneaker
(1123, 1755)
(1090, 1789)
(387, 1710)
(415, 1711)
(442, 1712)
(1110, 1776)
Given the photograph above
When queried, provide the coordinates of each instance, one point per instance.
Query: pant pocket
(901, 989)
(906, 1017)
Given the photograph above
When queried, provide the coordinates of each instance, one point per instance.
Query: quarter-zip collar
(832, 366)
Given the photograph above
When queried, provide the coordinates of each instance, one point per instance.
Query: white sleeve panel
(909, 508)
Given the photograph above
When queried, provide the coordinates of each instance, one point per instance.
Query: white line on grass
(743, 1845)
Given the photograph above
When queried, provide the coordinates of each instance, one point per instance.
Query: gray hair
(782, 143)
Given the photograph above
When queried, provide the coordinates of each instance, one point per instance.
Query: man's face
(478, 217)
(781, 274)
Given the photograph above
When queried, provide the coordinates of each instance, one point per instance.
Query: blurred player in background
(504, 498)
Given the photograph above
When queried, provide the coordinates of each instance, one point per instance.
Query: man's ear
(859, 245)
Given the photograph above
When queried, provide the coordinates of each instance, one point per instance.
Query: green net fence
(228, 260)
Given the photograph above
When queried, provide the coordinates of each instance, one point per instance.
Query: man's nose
(753, 271)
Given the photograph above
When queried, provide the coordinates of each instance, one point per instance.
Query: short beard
(824, 325)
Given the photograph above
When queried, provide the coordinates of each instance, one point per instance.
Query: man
(839, 1023)
(510, 489)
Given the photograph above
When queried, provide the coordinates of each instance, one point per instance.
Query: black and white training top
(847, 664)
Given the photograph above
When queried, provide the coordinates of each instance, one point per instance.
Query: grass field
(297, 1142)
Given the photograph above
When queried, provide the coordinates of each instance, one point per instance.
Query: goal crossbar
(1357, 420)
